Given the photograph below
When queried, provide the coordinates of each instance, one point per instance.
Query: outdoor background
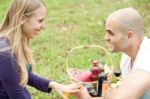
(71, 23)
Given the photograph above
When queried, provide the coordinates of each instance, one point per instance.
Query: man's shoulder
(142, 61)
(146, 42)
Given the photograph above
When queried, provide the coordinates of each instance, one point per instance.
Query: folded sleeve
(9, 77)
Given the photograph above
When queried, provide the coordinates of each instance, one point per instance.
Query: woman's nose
(43, 26)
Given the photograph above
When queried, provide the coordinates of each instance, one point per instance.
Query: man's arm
(132, 87)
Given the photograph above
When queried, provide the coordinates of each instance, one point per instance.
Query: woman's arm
(38, 82)
(45, 85)
(9, 78)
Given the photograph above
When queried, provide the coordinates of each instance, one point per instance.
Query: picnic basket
(71, 71)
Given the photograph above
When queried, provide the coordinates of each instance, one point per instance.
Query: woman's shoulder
(4, 45)
(6, 57)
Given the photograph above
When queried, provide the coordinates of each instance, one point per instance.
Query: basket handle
(86, 46)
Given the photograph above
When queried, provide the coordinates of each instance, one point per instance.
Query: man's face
(114, 37)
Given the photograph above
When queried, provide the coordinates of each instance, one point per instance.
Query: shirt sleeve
(9, 77)
(142, 61)
(39, 82)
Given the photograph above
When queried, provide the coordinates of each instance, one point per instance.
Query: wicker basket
(69, 69)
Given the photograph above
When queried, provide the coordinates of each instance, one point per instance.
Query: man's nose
(106, 37)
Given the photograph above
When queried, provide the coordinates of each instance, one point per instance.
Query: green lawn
(71, 23)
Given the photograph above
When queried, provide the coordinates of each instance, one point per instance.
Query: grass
(72, 23)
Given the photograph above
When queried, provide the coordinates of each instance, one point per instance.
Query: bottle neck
(95, 63)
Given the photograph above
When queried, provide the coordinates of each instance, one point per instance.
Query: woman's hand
(65, 89)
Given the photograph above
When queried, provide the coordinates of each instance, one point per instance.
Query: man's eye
(41, 20)
(111, 34)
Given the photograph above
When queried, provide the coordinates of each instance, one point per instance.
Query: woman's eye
(41, 20)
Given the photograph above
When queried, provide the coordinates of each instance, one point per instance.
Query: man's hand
(83, 94)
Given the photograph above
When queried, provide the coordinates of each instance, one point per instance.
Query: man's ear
(130, 34)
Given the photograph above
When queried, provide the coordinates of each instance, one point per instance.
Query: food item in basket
(67, 94)
(84, 76)
(113, 79)
(81, 75)
(105, 87)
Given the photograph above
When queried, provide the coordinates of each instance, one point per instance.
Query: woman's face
(34, 24)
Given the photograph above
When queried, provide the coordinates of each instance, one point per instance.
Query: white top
(142, 62)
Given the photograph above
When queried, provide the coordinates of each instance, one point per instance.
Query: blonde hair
(11, 29)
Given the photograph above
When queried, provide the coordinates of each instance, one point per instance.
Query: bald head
(128, 19)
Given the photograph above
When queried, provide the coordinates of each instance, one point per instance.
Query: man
(125, 33)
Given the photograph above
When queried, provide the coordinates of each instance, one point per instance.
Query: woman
(23, 21)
